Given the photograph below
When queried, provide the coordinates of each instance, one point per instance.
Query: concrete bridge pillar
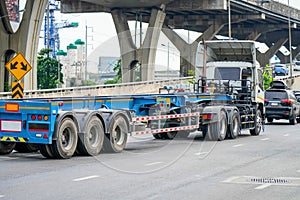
(24, 40)
(286, 58)
(264, 58)
(143, 57)
(188, 51)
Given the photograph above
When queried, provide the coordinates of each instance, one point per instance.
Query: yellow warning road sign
(17, 90)
(18, 66)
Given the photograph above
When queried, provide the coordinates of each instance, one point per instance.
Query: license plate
(274, 104)
(11, 125)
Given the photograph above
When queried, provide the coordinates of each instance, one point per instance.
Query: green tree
(117, 68)
(47, 70)
(268, 77)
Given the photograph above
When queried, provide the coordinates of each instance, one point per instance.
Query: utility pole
(86, 51)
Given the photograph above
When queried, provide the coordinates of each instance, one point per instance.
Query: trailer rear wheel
(46, 151)
(116, 140)
(26, 148)
(91, 142)
(257, 124)
(217, 130)
(158, 136)
(67, 137)
(234, 127)
(6, 147)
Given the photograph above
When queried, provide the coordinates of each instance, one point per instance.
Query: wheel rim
(93, 136)
(223, 127)
(67, 139)
(258, 122)
(235, 127)
(118, 135)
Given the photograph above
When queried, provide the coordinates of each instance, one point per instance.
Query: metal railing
(143, 87)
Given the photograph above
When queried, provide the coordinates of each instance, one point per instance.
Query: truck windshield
(227, 73)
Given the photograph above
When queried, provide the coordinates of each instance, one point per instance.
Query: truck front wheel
(67, 137)
(257, 124)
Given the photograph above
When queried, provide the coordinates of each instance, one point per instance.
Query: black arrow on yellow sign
(17, 90)
(13, 65)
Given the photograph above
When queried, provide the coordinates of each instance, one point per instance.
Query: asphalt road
(249, 167)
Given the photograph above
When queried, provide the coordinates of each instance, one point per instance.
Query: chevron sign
(17, 90)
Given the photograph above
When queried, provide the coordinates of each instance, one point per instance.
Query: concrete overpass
(250, 19)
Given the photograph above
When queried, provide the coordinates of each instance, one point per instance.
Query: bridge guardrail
(105, 90)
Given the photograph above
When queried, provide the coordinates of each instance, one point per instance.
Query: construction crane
(51, 28)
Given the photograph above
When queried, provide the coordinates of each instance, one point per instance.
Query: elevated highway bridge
(250, 19)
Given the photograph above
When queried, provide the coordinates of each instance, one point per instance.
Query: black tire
(26, 148)
(46, 151)
(218, 130)
(158, 136)
(171, 135)
(233, 129)
(91, 142)
(115, 141)
(6, 147)
(270, 119)
(183, 134)
(204, 129)
(293, 120)
(257, 124)
(67, 137)
(298, 119)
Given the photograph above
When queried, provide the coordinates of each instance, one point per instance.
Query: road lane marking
(201, 153)
(298, 170)
(153, 163)
(265, 139)
(237, 145)
(263, 186)
(231, 179)
(286, 135)
(85, 178)
(1, 196)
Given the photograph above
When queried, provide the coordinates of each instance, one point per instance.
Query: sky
(98, 29)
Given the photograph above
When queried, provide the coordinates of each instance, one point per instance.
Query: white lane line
(153, 163)
(265, 139)
(229, 180)
(237, 145)
(286, 135)
(298, 170)
(201, 153)
(263, 186)
(1, 196)
(85, 178)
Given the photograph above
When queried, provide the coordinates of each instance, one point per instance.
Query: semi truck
(228, 97)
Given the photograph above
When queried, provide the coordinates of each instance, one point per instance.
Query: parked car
(297, 66)
(281, 69)
(297, 94)
(282, 104)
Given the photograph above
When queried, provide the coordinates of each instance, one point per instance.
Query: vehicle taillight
(287, 101)
(207, 116)
(12, 107)
(40, 117)
(266, 100)
(33, 117)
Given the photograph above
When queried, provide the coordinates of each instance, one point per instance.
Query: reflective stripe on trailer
(147, 118)
(13, 139)
(166, 130)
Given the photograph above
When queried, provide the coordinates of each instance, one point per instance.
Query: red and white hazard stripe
(147, 118)
(181, 128)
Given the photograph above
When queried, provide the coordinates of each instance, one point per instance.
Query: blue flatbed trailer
(49, 124)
